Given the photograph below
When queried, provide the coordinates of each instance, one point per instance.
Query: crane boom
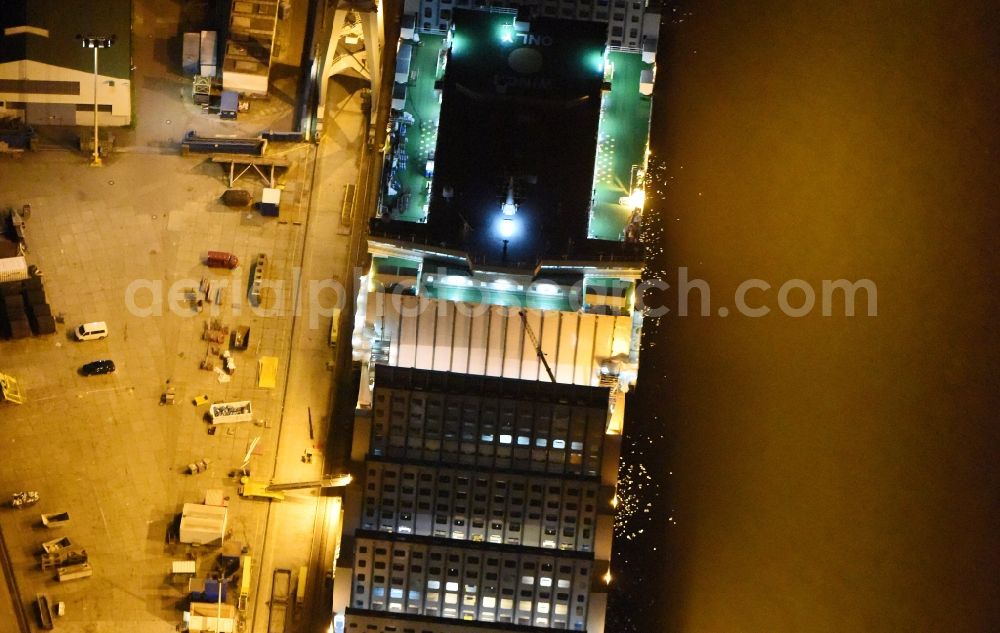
(538, 347)
(327, 482)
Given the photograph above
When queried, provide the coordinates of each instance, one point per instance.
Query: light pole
(96, 42)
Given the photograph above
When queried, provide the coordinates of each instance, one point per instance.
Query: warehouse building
(47, 75)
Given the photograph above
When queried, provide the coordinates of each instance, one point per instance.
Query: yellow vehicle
(268, 490)
(259, 490)
(9, 390)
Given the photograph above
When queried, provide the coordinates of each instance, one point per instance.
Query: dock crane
(257, 489)
(538, 347)
(276, 491)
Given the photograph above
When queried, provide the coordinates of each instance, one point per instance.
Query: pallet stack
(257, 280)
(39, 312)
(15, 317)
(24, 309)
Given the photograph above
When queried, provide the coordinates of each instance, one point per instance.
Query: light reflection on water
(829, 473)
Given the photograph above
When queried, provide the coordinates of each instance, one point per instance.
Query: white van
(92, 331)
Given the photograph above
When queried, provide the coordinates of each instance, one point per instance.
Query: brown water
(829, 473)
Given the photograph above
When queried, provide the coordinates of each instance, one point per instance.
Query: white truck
(229, 412)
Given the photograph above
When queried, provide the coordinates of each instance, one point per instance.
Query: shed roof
(45, 31)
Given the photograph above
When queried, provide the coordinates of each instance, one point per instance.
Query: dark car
(98, 367)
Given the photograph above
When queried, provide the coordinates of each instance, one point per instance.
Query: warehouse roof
(45, 31)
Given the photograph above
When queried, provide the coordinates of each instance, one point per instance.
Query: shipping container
(229, 104)
(209, 53)
(270, 201)
(403, 60)
(191, 55)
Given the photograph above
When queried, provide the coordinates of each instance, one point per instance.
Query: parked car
(98, 367)
(91, 331)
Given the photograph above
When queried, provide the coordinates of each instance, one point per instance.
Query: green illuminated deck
(622, 134)
(393, 266)
(424, 105)
(495, 296)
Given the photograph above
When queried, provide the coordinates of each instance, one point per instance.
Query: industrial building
(47, 76)
(485, 499)
(497, 328)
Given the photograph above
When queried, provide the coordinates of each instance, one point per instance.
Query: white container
(270, 201)
(209, 49)
(202, 524)
(227, 412)
(13, 269)
(183, 567)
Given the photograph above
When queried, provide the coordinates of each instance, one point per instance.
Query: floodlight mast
(96, 42)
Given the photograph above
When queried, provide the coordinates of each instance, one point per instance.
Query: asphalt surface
(101, 447)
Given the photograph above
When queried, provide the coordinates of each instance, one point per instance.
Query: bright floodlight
(638, 198)
(599, 62)
(96, 41)
(547, 289)
(507, 33)
(340, 480)
(507, 228)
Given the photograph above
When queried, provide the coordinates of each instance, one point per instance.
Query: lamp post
(96, 42)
